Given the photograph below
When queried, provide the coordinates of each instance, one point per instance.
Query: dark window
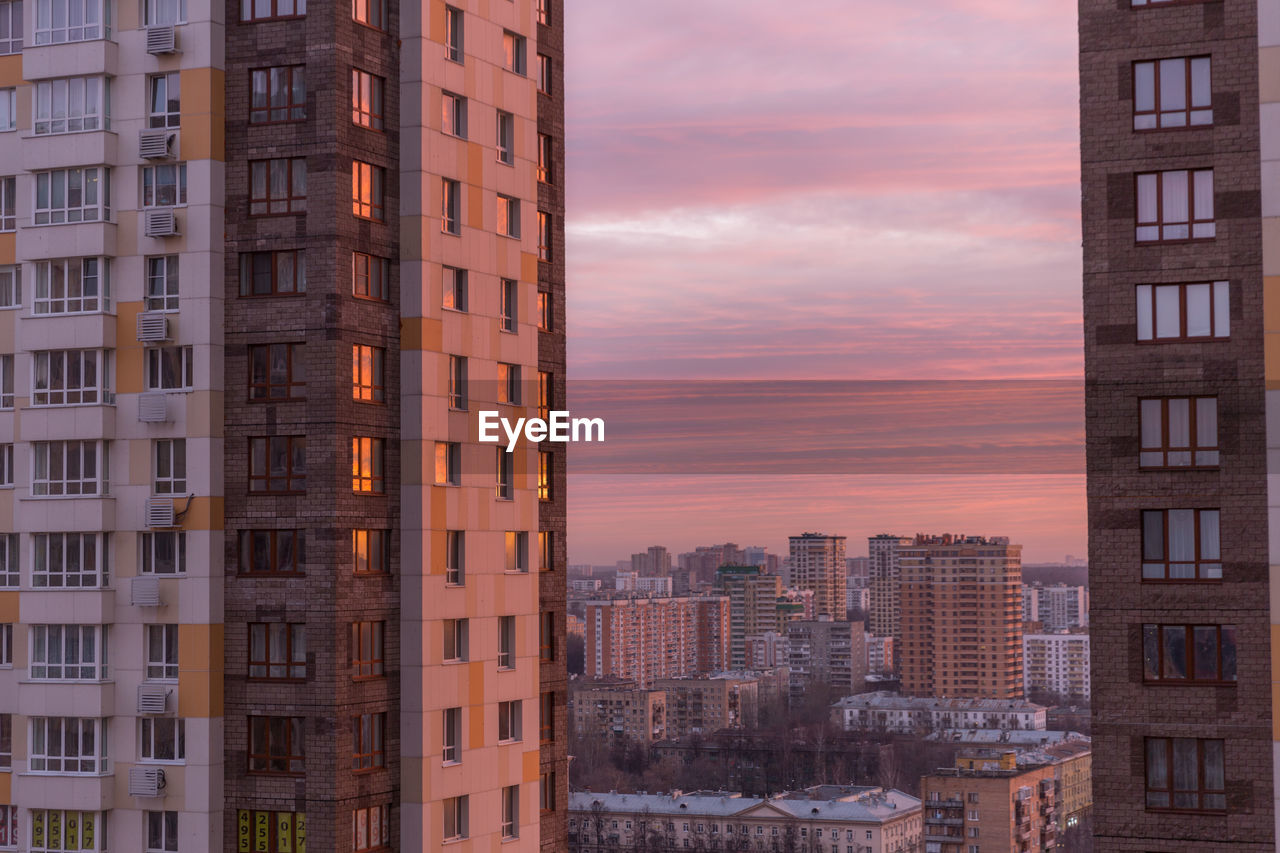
(545, 158)
(282, 273)
(370, 276)
(1181, 544)
(266, 10)
(277, 186)
(453, 41)
(544, 476)
(547, 636)
(277, 94)
(278, 464)
(1179, 432)
(367, 649)
(281, 552)
(544, 74)
(1186, 774)
(1174, 654)
(547, 717)
(277, 372)
(368, 750)
(277, 745)
(450, 206)
(277, 651)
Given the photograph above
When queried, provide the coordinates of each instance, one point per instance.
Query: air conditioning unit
(152, 698)
(145, 592)
(157, 144)
(160, 512)
(160, 222)
(153, 326)
(161, 38)
(153, 407)
(146, 781)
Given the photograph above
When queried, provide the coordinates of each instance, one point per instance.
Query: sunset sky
(836, 190)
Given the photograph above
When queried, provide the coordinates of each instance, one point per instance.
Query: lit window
(513, 50)
(366, 99)
(367, 465)
(448, 463)
(368, 383)
(517, 551)
(544, 236)
(545, 158)
(454, 289)
(509, 384)
(508, 216)
(370, 277)
(371, 552)
(367, 190)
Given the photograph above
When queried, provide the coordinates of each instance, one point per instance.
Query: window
(508, 216)
(544, 476)
(162, 652)
(545, 389)
(371, 551)
(170, 456)
(68, 652)
(1175, 205)
(10, 42)
(1179, 432)
(367, 374)
(272, 551)
(278, 464)
(73, 195)
(165, 185)
(71, 286)
(368, 750)
(271, 832)
(9, 827)
(281, 273)
(162, 283)
(162, 832)
(448, 463)
(547, 792)
(68, 745)
(370, 276)
(547, 717)
(277, 94)
(277, 372)
(458, 382)
(367, 191)
(544, 74)
(277, 745)
(506, 642)
(11, 286)
(504, 488)
(455, 560)
(367, 465)
(366, 99)
(544, 12)
(452, 735)
(545, 158)
(265, 10)
(545, 540)
(547, 636)
(68, 377)
(10, 561)
(544, 236)
(163, 553)
(513, 47)
(69, 468)
(367, 649)
(371, 13)
(506, 136)
(517, 548)
(277, 186)
(511, 811)
(70, 105)
(509, 384)
(371, 828)
(8, 209)
(451, 200)
(509, 721)
(6, 382)
(277, 651)
(69, 560)
(453, 114)
(455, 289)
(455, 640)
(455, 818)
(544, 311)
(162, 739)
(1170, 312)
(1172, 93)
(8, 109)
(164, 12)
(164, 100)
(508, 305)
(1186, 774)
(453, 34)
(1180, 544)
(170, 369)
(6, 659)
(1189, 653)
(60, 21)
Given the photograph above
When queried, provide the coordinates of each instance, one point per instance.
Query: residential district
(926, 697)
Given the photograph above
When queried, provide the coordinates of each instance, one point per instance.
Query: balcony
(76, 59)
(61, 150)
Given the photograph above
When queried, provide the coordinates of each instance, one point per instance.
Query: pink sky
(834, 189)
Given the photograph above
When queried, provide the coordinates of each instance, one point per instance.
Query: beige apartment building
(261, 587)
(884, 573)
(1057, 663)
(817, 563)
(620, 712)
(706, 705)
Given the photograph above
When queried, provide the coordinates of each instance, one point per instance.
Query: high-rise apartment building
(654, 562)
(260, 264)
(1058, 607)
(884, 616)
(1181, 214)
(817, 563)
(961, 617)
(641, 638)
(1057, 663)
(753, 607)
(826, 654)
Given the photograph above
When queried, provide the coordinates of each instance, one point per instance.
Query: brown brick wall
(1119, 371)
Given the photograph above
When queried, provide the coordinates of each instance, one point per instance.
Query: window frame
(454, 34)
(451, 735)
(1169, 790)
(249, 10)
(371, 828)
(505, 136)
(1155, 648)
(504, 476)
(507, 212)
(459, 396)
(91, 566)
(1157, 113)
(85, 759)
(1193, 450)
(456, 639)
(162, 827)
(363, 266)
(262, 383)
(510, 721)
(156, 358)
(368, 100)
(163, 291)
(507, 643)
(448, 463)
(294, 477)
(45, 95)
(367, 650)
(545, 236)
(11, 12)
(370, 13)
(97, 177)
(515, 53)
(270, 205)
(95, 30)
(161, 638)
(173, 453)
(152, 188)
(1199, 560)
(368, 465)
(293, 85)
(171, 116)
(451, 206)
(90, 459)
(368, 374)
(279, 542)
(151, 736)
(89, 369)
(267, 750)
(74, 299)
(8, 204)
(508, 304)
(510, 812)
(368, 191)
(546, 158)
(1192, 223)
(453, 114)
(265, 640)
(148, 558)
(453, 289)
(455, 558)
(369, 742)
(377, 551)
(249, 274)
(1219, 304)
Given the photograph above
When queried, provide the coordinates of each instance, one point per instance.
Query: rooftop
(888, 701)
(866, 805)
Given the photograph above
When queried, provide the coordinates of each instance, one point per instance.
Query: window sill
(163, 762)
(451, 763)
(66, 497)
(510, 741)
(54, 773)
(1173, 682)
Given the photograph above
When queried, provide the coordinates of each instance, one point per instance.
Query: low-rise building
(619, 711)
(889, 712)
(705, 705)
(866, 819)
(1057, 663)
